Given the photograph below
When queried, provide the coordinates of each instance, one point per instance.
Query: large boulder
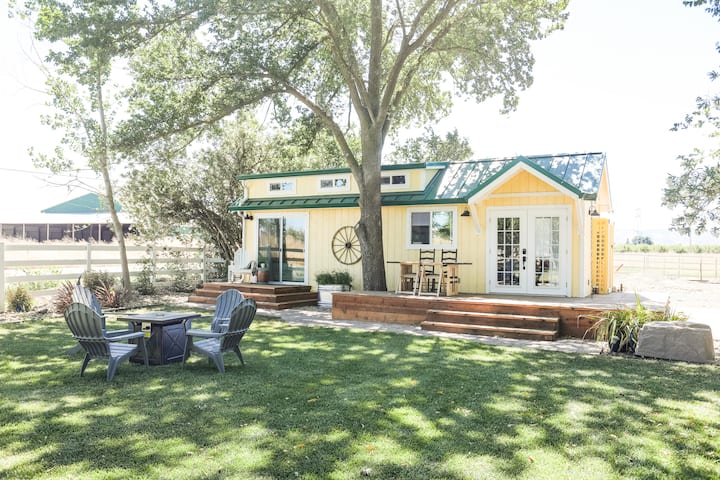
(685, 341)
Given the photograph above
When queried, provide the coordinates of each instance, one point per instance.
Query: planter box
(325, 293)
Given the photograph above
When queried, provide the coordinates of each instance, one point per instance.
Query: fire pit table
(165, 334)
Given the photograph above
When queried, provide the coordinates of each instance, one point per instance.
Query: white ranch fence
(688, 266)
(33, 264)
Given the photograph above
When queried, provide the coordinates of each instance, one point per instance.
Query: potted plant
(329, 283)
(621, 326)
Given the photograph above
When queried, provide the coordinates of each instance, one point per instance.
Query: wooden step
(275, 297)
(490, 330)
(494, 319)
(509, 325)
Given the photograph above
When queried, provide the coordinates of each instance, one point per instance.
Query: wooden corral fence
(38, 263)
(702, 267)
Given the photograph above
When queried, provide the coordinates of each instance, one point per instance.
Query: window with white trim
(394, 181)
(281, 186)
(432, 228)
(335, 184)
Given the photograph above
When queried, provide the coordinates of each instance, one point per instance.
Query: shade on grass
(319, 403)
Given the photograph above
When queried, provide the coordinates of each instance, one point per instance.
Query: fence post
(204, 264)
(88, 259)
(2, 277)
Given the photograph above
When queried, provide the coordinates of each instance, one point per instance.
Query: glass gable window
(396, 181)
(284, 186)
(433, 228)
(335, 184)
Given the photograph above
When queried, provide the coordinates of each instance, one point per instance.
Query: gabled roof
(456, 182)
(86, 204)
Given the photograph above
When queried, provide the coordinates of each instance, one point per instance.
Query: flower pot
(263, 275)
(325, 293)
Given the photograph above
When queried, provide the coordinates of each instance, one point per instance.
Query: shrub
(18, 298)
(63, 298)
(620, 327)
(181, 281)
(146, 278)
(93, 280)
(111, 296)
(333, 278)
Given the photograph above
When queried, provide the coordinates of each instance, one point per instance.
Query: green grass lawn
(317, 403)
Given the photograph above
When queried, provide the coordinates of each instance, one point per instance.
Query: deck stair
(527, 327)
(270, 296)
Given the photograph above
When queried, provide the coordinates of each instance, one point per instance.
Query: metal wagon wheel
(346, 246)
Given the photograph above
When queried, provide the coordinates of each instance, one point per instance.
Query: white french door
(529, 250)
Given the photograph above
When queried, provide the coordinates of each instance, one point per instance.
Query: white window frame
(287, 186)
(408, 230)
(335, 187)
(395, 186)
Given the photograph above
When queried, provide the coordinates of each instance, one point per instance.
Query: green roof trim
(328, 171)
(284, 203)
(86, 204)
(457, 182)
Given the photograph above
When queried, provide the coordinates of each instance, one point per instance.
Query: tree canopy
(695, 192)
(370, 65)
(431, 147)
(78, 70)
(359, 69)
(170, 186)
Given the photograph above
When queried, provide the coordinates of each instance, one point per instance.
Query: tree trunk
(370, 228)
(117, 227)
(104, 167)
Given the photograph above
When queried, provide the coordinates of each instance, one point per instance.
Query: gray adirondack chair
(85, 296)
(215, 344)
(224, 306)
(88, 329)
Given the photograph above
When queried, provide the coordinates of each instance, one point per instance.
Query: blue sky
(614, 80)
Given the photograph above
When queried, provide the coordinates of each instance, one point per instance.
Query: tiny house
(535, 225)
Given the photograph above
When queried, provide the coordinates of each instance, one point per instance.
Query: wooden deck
(270, 296)
(537, 318)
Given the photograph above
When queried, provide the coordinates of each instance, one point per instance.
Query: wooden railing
(30, 264)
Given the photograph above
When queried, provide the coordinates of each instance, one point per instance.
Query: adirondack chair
(246, 271)
(85, 296)
(215, 344)
(88, 328)
(224, 306)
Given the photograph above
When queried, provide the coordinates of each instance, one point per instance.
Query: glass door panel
(281, 247)
(508, 251)
(269, 234)
(293, 265)
(547, 252)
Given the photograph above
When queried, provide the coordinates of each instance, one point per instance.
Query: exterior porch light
(593, 211)
(248, 216)
(465, 213)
